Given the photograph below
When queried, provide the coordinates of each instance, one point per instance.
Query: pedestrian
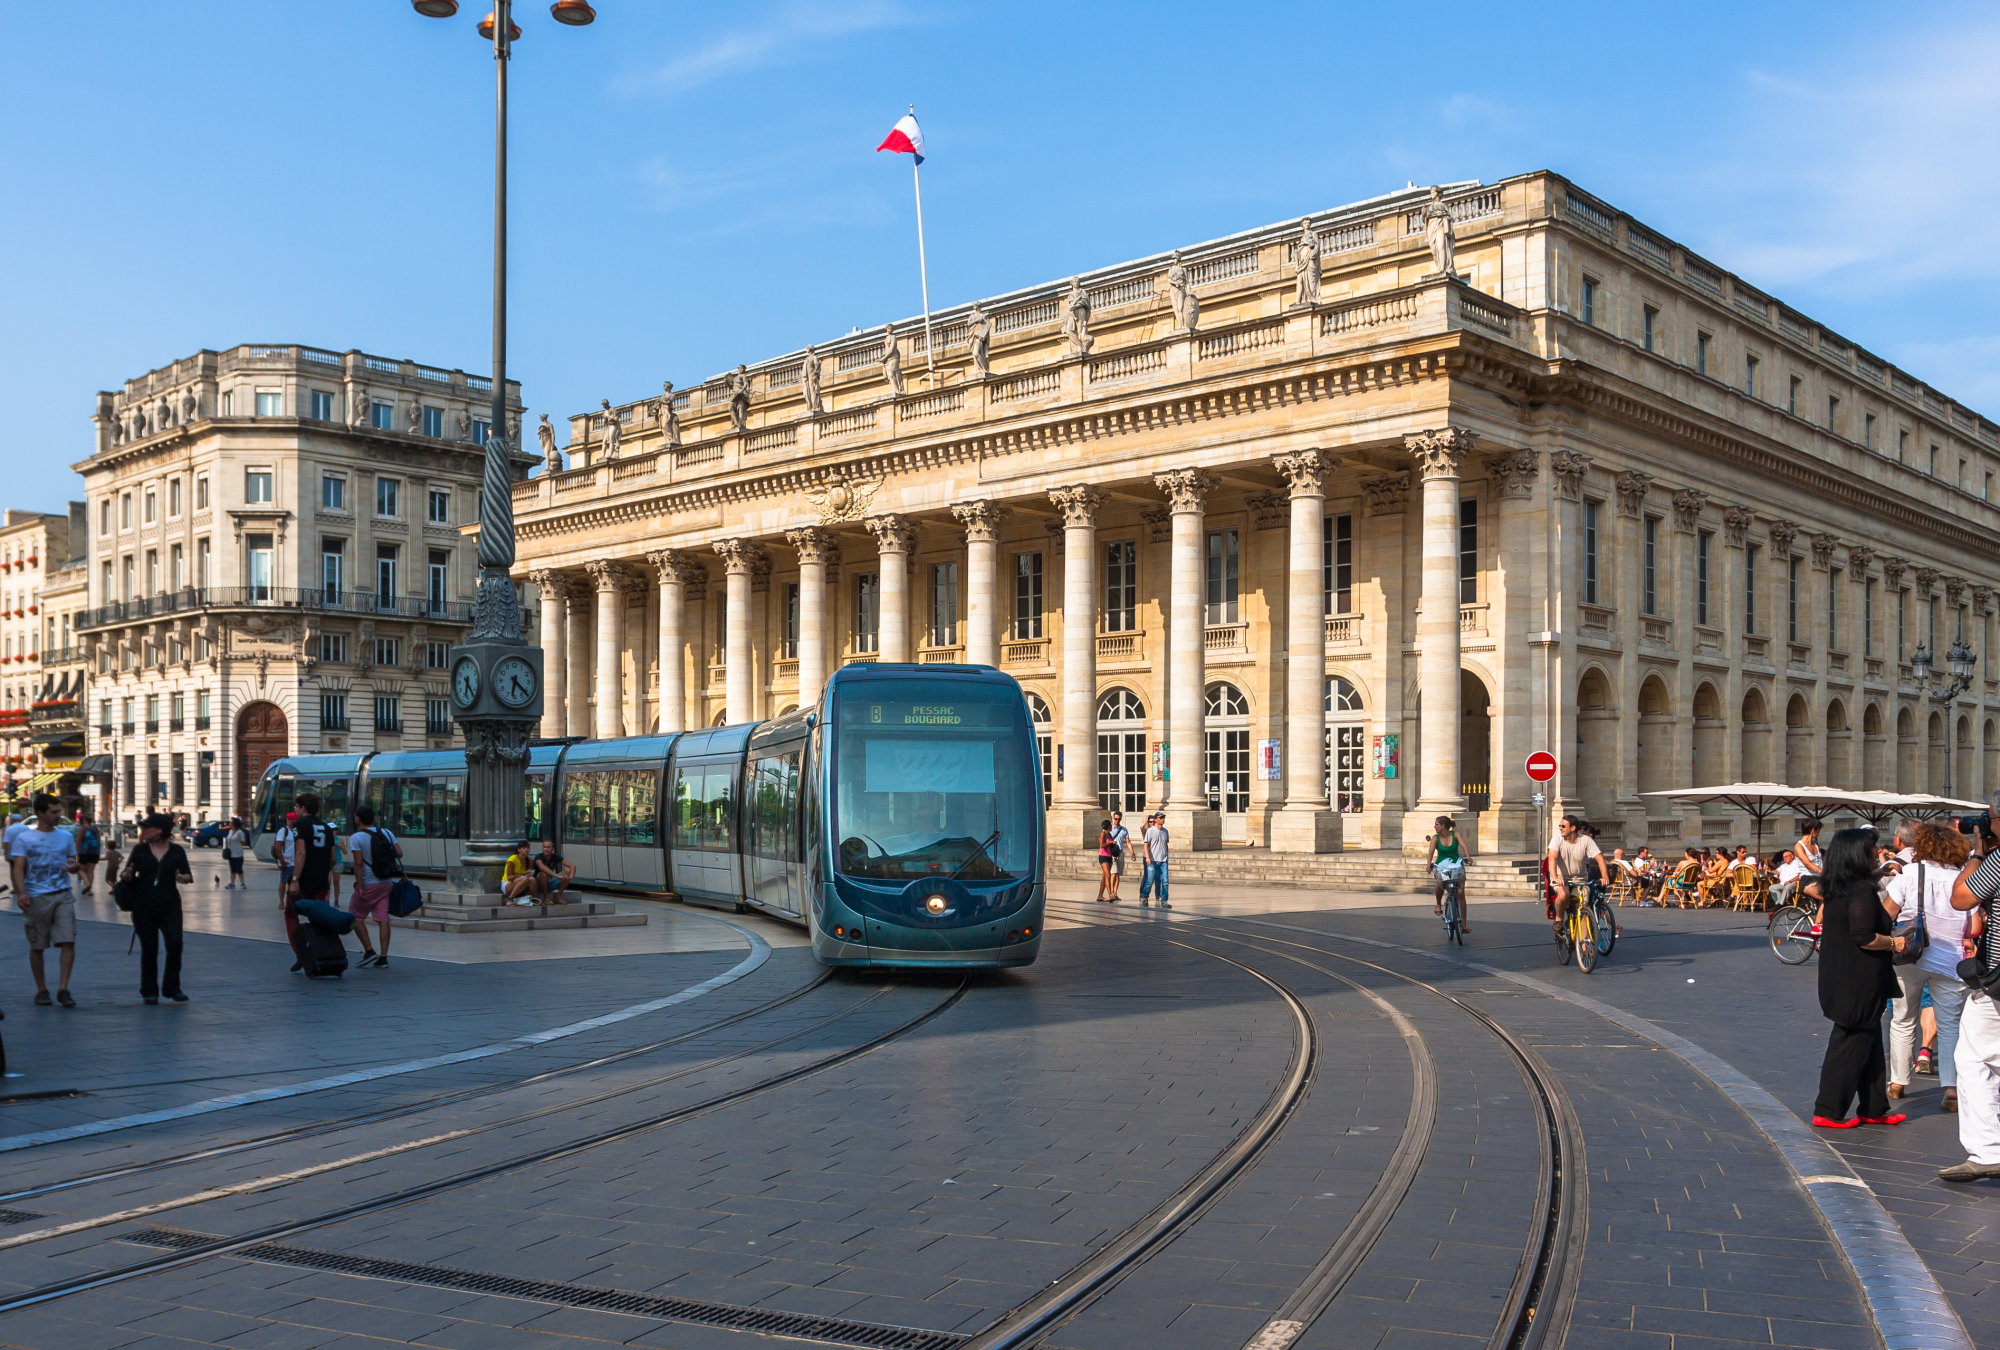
(281, 849)
(311, 872)
(552, 873)
(378, 861)
(1925, 887)
(89, 851)
(1977, 1062)
(1445, 845)
(1857, 978)
(233, 844)
(1104, 861)
(157, 869)
(1121, 848)
(518, 877)
(40, 860)
(1155, 840)
(1575, 861)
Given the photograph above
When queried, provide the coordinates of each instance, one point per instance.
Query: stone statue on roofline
(552, 461)
(1437, 232)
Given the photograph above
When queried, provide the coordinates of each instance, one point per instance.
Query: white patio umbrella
(1759, 801)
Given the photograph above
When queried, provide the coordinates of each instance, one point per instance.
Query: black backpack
(383, 863)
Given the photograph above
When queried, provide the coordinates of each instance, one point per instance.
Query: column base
(1195, 828)
(1305, 830)
(1421, 824)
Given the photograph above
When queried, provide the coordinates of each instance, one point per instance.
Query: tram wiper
(979, 850)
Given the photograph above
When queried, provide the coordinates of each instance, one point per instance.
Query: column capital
(609, 575)
(1514, 471)
(1892, 573)
(1437, 452)
(739, 556)
(547, 580)
(1688, 504)
(1184, 489)
(981, 520)
(893, 534)
(1305, 471)
(674, 566)
(1632, 488)
(1859, 560)
(1569, 467)
(1823, 546)
(1926, 581)
(1782, 534)
(813, 544)
(1736, 522)
(1078, 506)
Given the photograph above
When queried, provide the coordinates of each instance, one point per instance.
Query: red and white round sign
(1541, 766)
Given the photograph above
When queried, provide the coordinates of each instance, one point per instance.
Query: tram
(899, 821)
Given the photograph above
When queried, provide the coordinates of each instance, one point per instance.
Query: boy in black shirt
(312, 859)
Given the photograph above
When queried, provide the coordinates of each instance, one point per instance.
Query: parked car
(211, 835)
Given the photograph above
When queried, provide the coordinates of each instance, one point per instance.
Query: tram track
(275, 1233)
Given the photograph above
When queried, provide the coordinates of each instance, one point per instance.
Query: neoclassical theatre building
(1311, 534)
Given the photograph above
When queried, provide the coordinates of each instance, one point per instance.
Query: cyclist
(1445, 845)
(1574, 862)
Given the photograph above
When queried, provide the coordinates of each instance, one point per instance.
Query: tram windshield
(934, 779)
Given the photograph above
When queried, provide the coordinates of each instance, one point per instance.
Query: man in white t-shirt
(1790, 872)
(371, 891)
(1574, 862)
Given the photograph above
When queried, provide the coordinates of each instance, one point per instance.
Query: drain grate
(770, 1322)
(20, 1216)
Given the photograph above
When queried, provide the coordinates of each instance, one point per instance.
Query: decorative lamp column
(555, 614)
(673, 567)
(893, 538)
(982, 565)
(1307, 822)
(609, 722)
(739, 558)
(1075, 799)
(816, 549)
(1189, 821)
(1438, 782)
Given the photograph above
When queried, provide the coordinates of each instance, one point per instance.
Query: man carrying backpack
(378, 861)
(312, 864)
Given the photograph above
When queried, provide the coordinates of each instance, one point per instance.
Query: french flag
(905, 138)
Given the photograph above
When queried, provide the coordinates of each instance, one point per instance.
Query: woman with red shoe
(1857, 978)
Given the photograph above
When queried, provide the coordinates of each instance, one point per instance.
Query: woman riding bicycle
(1445, 845)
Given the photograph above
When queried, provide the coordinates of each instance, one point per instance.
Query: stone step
(463, 913)
(523, 924)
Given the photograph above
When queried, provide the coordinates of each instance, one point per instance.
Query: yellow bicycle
(1577, 935)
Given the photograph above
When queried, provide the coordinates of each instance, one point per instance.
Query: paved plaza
(692, 1117)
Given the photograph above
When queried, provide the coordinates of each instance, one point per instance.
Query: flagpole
(923, 269)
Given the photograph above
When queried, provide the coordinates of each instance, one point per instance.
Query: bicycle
(1793, 940)
(1607, 927)
(1577, 934)
(1451, 872)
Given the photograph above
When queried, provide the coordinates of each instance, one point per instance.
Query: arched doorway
(1225, 761)
(1475, 740)
(1711, 737)
(1045, 743)
(1799, 770)
(1756, 732)
(262, 739)
(1656, 765)
(1121, 752)
(1346, 746)
(1906, 751)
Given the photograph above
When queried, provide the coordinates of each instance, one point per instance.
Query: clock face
(514, 682)
(465, 682)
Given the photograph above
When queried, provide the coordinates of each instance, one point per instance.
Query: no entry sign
(1541, 766)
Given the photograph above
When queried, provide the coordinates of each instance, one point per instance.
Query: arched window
(1120, 705)
(1121, 751)
(1225, 759)
(1346, 746)
(1226, 700)
(1045, 745)
(1038, 710)
(1342, 697)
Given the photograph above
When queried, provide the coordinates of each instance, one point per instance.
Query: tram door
(705, 863)
(773, 837)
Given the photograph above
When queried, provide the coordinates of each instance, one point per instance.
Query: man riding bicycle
(1445, 846)
(1574, 862)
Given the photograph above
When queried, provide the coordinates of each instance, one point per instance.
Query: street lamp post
(496, 677)
(1944, 692)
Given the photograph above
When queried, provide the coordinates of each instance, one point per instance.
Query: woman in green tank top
(1445, 845)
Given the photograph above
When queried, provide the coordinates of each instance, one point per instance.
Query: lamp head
(435, 9)
(575, 13)
(486, 29)
(1920, 661)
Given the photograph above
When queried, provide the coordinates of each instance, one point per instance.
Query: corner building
(276, 565)
(1308, 551)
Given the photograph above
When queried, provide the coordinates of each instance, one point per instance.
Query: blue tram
(899, 821)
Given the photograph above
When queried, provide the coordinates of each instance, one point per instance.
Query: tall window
(388, 651)
(434, 422)
(1832, 414)
(1590, 553)
(201, 710)
(1651, 578)
(385, 496)
(1701, 342)
(176, 566)
(1648, 326)
(262, 569)
(332, 711)
(1590, 300)
(257, 487)
(1868, 617)
(388, 713)
(439, 579)
(1931, 626)
(333, 647)
(1704, 543)
(1468, 552)
(382, 416)
(333, 491)
(1902, 625)
(944, 604)
(126, 576)
(152, 714)
(1902, 447)
(1750, 589)
(1868, 431)
(1792, 599)
(270, 403)
(332, 569)
(1222, 578)
(1750, 376)
(322, 406)
(173, 497)
(438, 510)
(203, 576)
(201, 492)
(104, 516)
(1792, 396)
(152, 571)
(1337, 563)
(790, 651)
(1027, 596)
(1833, 609)
(1121, 586)
(385, 575)
(177, 712)
(481, 429)
(868, 612)
(437, 717)
(152, 508)
(124, 510)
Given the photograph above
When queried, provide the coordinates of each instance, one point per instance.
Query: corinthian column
(816, 549)
(555, 711)
(739, 558)
(1076, 796)
(1189, 821)
(982, 564)
(576, 655)
(893, 537)
(1306, 823)
(673, 567)
(1438, 776)
(610, 578)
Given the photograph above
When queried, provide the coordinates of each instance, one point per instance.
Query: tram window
(773, 817)
(579, 813)
(611, 806)
(642, 790)
(332, 797)
(704, 808)
(413, 808)
(532, 805)
(445, 795)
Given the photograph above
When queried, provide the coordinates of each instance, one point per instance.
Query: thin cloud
(787, 31)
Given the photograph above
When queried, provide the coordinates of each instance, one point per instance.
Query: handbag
(1915, 936)
(405, 898)
(125, 892)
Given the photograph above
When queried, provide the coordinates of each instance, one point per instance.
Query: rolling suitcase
(320, 952)
(319, 914)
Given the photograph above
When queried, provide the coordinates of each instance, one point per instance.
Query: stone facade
(34, 546)
(1337, 550)
(279, 562)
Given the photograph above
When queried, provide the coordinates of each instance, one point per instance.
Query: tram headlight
(936, 904)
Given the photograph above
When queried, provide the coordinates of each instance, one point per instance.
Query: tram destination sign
(972, 713)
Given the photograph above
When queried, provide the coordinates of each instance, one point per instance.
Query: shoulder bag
(1915, 935)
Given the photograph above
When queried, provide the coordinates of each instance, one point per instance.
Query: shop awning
(38, 783)
(100, 764)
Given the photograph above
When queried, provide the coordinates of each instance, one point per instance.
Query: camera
(1977, 826)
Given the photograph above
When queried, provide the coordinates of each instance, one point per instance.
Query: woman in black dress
(157, 867)
(1856, 981)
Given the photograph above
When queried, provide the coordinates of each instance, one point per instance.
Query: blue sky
(697, 188)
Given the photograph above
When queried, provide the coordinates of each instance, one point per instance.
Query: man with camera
(1978, 1057)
